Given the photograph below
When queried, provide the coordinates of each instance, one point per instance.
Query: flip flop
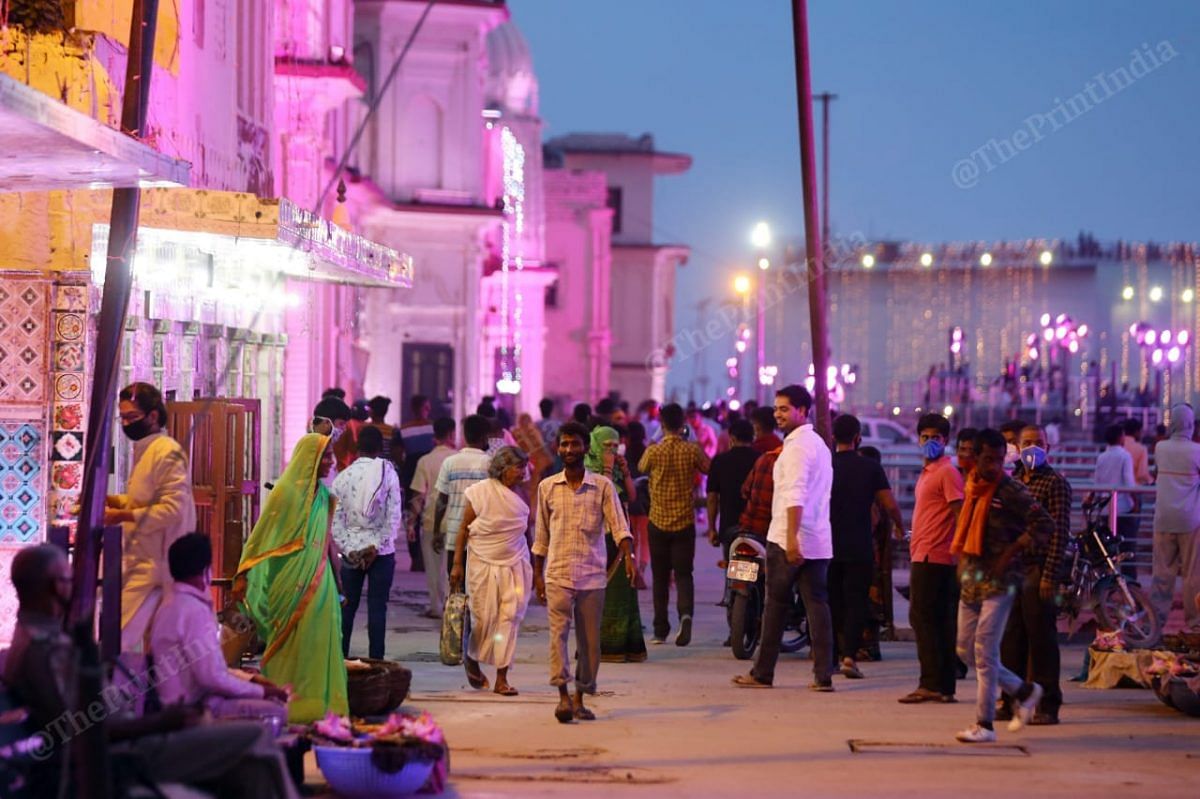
(478, 680)
(508, 690)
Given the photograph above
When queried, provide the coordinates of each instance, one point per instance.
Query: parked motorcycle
(746, 585)
(1096, 583)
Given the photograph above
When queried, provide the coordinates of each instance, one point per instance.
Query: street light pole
(825, 98)
(760, 237)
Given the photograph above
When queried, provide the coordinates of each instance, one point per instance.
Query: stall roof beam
(46, 145)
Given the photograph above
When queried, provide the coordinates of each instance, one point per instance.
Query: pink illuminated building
(448, 260)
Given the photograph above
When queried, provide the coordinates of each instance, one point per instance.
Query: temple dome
(512, 85)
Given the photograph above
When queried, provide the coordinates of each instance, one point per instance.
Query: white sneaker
(1024, 710)
(975, 734)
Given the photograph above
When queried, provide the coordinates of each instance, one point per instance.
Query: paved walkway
(674, 726)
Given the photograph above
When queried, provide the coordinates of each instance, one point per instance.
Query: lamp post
(742, 286)
(760, 237)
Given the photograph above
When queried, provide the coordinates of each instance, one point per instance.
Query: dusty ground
(674, 726)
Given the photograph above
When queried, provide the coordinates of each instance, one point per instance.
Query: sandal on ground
(477, 679)
(749, 681)
(507, 690)
(584, 714)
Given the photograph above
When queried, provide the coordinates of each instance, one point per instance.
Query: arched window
(421, 140)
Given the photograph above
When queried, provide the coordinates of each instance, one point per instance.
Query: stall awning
(262, 234)
(45, 145)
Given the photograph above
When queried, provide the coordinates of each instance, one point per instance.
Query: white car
(884, 433)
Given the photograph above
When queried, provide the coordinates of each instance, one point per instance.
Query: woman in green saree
(621, 638)
(288, 581)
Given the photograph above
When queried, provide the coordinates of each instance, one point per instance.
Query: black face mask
(136, 431)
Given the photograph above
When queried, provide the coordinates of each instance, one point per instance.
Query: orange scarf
(972, 519)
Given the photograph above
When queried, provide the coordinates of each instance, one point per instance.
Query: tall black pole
(812, 227)
(87, 753)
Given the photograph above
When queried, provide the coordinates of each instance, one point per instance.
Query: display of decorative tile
(68, 446)
(64, 505)
(68, 356)
(68, 386)
(23, 340)
(21, 480)
(68, 416)
(70, 298)
(67, 476)
(68, 326)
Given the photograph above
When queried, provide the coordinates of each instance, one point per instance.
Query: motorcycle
(746, 588)
(1096, 583)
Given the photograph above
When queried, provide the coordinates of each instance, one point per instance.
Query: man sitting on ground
(184, 642)
(233, 759)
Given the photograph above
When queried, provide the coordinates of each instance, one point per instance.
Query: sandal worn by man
(584, 714)
(507, 690)
(565, 712)
(920, 695)
(475, 677)
(749, 681)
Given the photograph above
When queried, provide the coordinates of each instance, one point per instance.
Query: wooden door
(221, 437)
(428, 369)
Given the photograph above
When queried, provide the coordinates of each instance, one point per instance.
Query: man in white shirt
(185, 644)
(421, 514)
(799, 542)
(368, 513)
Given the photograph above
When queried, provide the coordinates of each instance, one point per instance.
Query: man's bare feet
(565, 712)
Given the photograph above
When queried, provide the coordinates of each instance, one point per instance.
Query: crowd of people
(568, 512)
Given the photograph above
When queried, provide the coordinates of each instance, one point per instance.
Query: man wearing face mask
(1011, 430)
(1030, 645)
(156, 509)
(934, 589)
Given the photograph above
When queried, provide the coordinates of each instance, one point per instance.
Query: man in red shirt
(933, 583)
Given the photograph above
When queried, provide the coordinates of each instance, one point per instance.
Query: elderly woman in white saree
(493, 552)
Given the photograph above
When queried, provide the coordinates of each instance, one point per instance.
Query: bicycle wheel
(1138, 624)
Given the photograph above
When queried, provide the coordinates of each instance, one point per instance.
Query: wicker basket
(369, 691)
(399, 681)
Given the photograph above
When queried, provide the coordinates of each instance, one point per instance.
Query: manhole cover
(609, 775)
(568, 753)
(861, 747)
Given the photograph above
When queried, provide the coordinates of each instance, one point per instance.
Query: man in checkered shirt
(570, 565)
(673, 465)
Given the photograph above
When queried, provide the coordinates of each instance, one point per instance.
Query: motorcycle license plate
(743, 570)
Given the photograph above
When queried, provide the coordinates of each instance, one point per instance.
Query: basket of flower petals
(395, 758)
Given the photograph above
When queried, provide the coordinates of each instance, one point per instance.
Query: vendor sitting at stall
(185, 645)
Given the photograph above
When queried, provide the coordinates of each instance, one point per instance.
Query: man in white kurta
(156, 509)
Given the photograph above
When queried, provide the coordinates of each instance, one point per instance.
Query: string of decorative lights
(511, 257)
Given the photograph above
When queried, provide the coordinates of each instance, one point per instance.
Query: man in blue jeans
(368, 514)
(799, 542)
(1000, 526)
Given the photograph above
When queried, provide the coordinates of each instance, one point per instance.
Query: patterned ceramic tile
(68, 356)
(67, 476)
(68, 326)
(67, 446)
(69, 416)
(21, 481)
(68, 386)
(23, 341)
(70, 298)
(64, 505)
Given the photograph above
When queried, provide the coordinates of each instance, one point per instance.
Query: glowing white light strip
(511, 257)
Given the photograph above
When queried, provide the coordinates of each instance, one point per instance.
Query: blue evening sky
(921, 85)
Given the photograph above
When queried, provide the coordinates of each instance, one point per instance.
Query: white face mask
(335, 434)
